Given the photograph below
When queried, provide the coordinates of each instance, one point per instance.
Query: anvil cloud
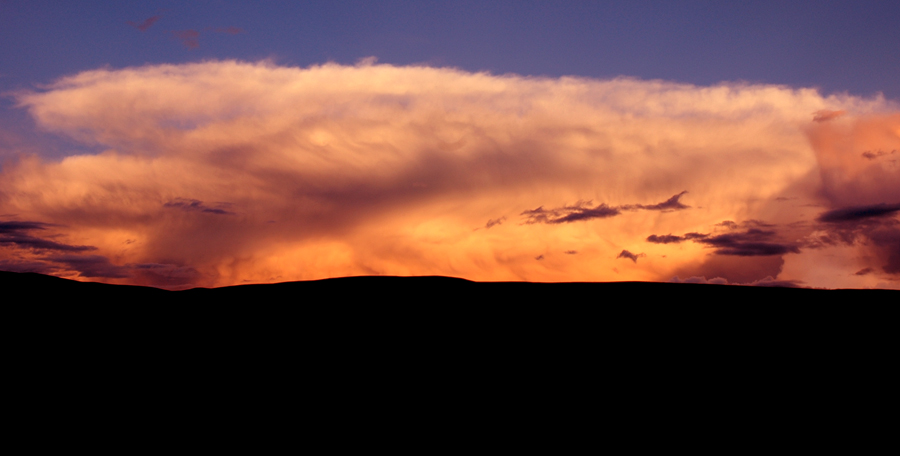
(228, 172)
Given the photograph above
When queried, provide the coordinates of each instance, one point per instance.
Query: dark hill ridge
(392, 289)
(399, 323)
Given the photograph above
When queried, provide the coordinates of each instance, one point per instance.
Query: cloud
(772, 282)
(752, 242)
(767, 281)
(860, 194)
(494, 222)
(145, 24)
(852, 214)
(192, 205)
(167, 275)
(25, 252)
(671, 204)
(582, 211)
(91, 266)
(670, 239)
(567, 214)
(189, 38)
(878, 153)
(696, 279)
(745, 254)
(336, 170)
(17, 233)
(14, 265)
(631, 256)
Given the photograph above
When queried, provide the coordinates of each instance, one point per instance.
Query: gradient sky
(210, 143)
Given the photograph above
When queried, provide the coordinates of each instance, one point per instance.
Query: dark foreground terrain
(617, 359)
(386, 290)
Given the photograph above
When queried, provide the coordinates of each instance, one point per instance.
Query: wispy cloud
(494, 222)
(192, 205)
(189, 38)
(581, 211)
(21, 235)
(145, 24)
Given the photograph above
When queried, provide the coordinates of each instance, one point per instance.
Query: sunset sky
(211, 143)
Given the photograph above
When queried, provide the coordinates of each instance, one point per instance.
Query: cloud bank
(229, 172)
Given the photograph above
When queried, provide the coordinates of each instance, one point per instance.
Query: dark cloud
(822, 240)
(631, 256)
(752, 242)
(570, 252)
(568, 214)
(581, 211)
(16, 227)
(873, 228)
(189, 38)
(32, 242)
(95, 266)
(494, 222)
(885, 240)
(145, 24)
(27, 266)
(753, 222)
(728, 224)
(16, 233)
(539, 257)
(48, 257)
(856, 213)
(166, 275)
(193, 205)
(671, 204)
(826, 115)
(601, 211)
(879, 153)
(670, 239)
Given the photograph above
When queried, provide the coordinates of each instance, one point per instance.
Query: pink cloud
(189, 38)
(225, 172)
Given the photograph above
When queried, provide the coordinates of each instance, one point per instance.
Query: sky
(212, 143)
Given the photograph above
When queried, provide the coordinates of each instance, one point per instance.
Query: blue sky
(833, 45)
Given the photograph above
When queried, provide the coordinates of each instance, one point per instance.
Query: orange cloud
(228, 172)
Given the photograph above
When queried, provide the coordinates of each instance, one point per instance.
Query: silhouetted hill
(387, 290)
(395, 324)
